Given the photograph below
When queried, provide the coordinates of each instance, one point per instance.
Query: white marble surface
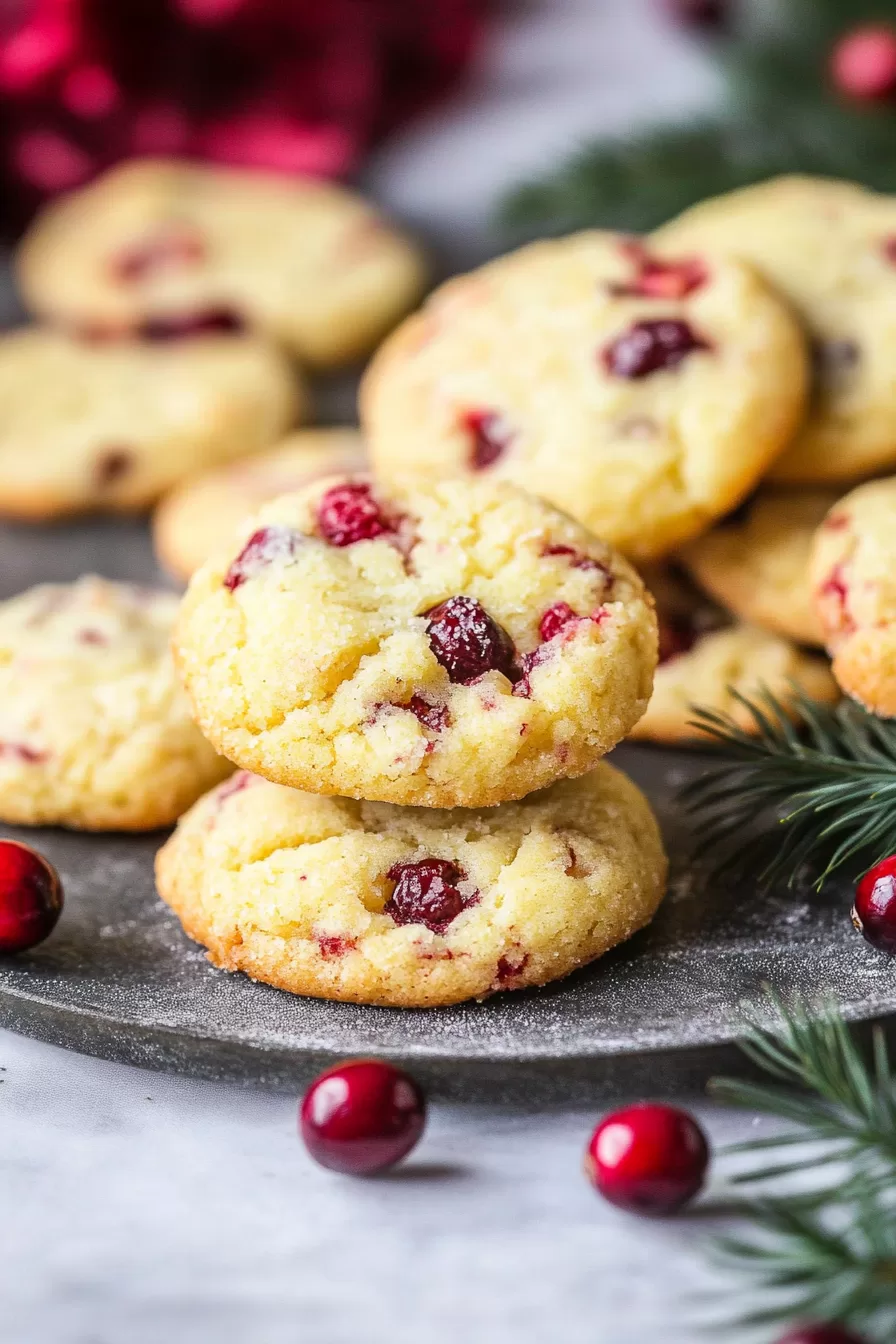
(140, 1208)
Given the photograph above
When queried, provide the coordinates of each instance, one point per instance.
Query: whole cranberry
(428, 892)
(874, 910)
(490, 436)
(648, 1158)
(362, 1117)
(30, 897)
(468, 642)
(821, 1334)
(650, 346)
(863, 63)
(268, 546)
(348, 513)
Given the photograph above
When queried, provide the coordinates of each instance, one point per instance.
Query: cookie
(756, 563)
(110, 426)
(411, 907)
(162, 243)
(202, 513)
(830, 249)
(703, 660)
(459, 645)
(95, 732)
(853, 576)
(645, 394)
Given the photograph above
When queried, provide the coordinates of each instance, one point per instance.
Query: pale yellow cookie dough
(109, 426)
(295, 889)
(307, 262)
(201, 514)
(315, 665)
(510, 370)
(853, 574)
(830, 249)
(757, 565)
(95, 732)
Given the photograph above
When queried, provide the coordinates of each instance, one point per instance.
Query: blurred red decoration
(699, 13)
(289, 85)
(863, 63)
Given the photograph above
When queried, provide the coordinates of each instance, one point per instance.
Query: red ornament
(648, 1158)
(362, 1117)
(30, 897)
(863, 63)
(821, 1334)
(291, 86)
(874, 910)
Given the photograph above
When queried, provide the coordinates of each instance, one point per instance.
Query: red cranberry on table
(349, 513)
(874, 910)
(362, 1117)
(468, 642)
(648, 1158)
(30, 897)
(821, 1334)
(650, 347)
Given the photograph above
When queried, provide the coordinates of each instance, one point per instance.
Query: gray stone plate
(119, 979)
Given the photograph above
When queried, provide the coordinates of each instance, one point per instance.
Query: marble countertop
(141, 1207)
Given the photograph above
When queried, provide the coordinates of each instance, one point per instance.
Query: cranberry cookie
(412, 907)
(156, 244)
(95, 732)
(453, 646)
(756, 563)
(201, 514)
(643, 392)
(110, 426)
(853, 574)
(702, 660)
(830, 249)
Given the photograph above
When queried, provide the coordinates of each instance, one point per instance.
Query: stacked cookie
(422, 682)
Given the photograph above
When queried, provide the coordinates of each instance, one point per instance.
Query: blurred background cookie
(756, 563)
(110, 425)
(306, 262)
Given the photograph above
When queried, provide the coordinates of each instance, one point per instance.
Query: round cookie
(95, 732)
(459, 645)
(202, 513)
(411, 907)
(644, 393)
(830, 249)
(305, 261)
(757, 563)
(853, 575)
(702, 661)
(110, 426)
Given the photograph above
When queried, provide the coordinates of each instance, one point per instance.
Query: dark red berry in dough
(267, 546)
(209, 322)
(490, 436)
(428, 892)
(648, 1158)
(30, 897)
(650, 347)
(349, 513)
(468, 642)
(677, 636)
(362, 1117)
(555, 619)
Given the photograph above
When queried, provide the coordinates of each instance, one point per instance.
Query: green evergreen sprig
(780, 115)
(824, 778)
(825, 1251)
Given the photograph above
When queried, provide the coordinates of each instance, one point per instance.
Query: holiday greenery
(825, 1251)
(810, 88)
(824, 778)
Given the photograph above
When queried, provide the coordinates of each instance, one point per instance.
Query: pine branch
(829, 778)
(828, 1254)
